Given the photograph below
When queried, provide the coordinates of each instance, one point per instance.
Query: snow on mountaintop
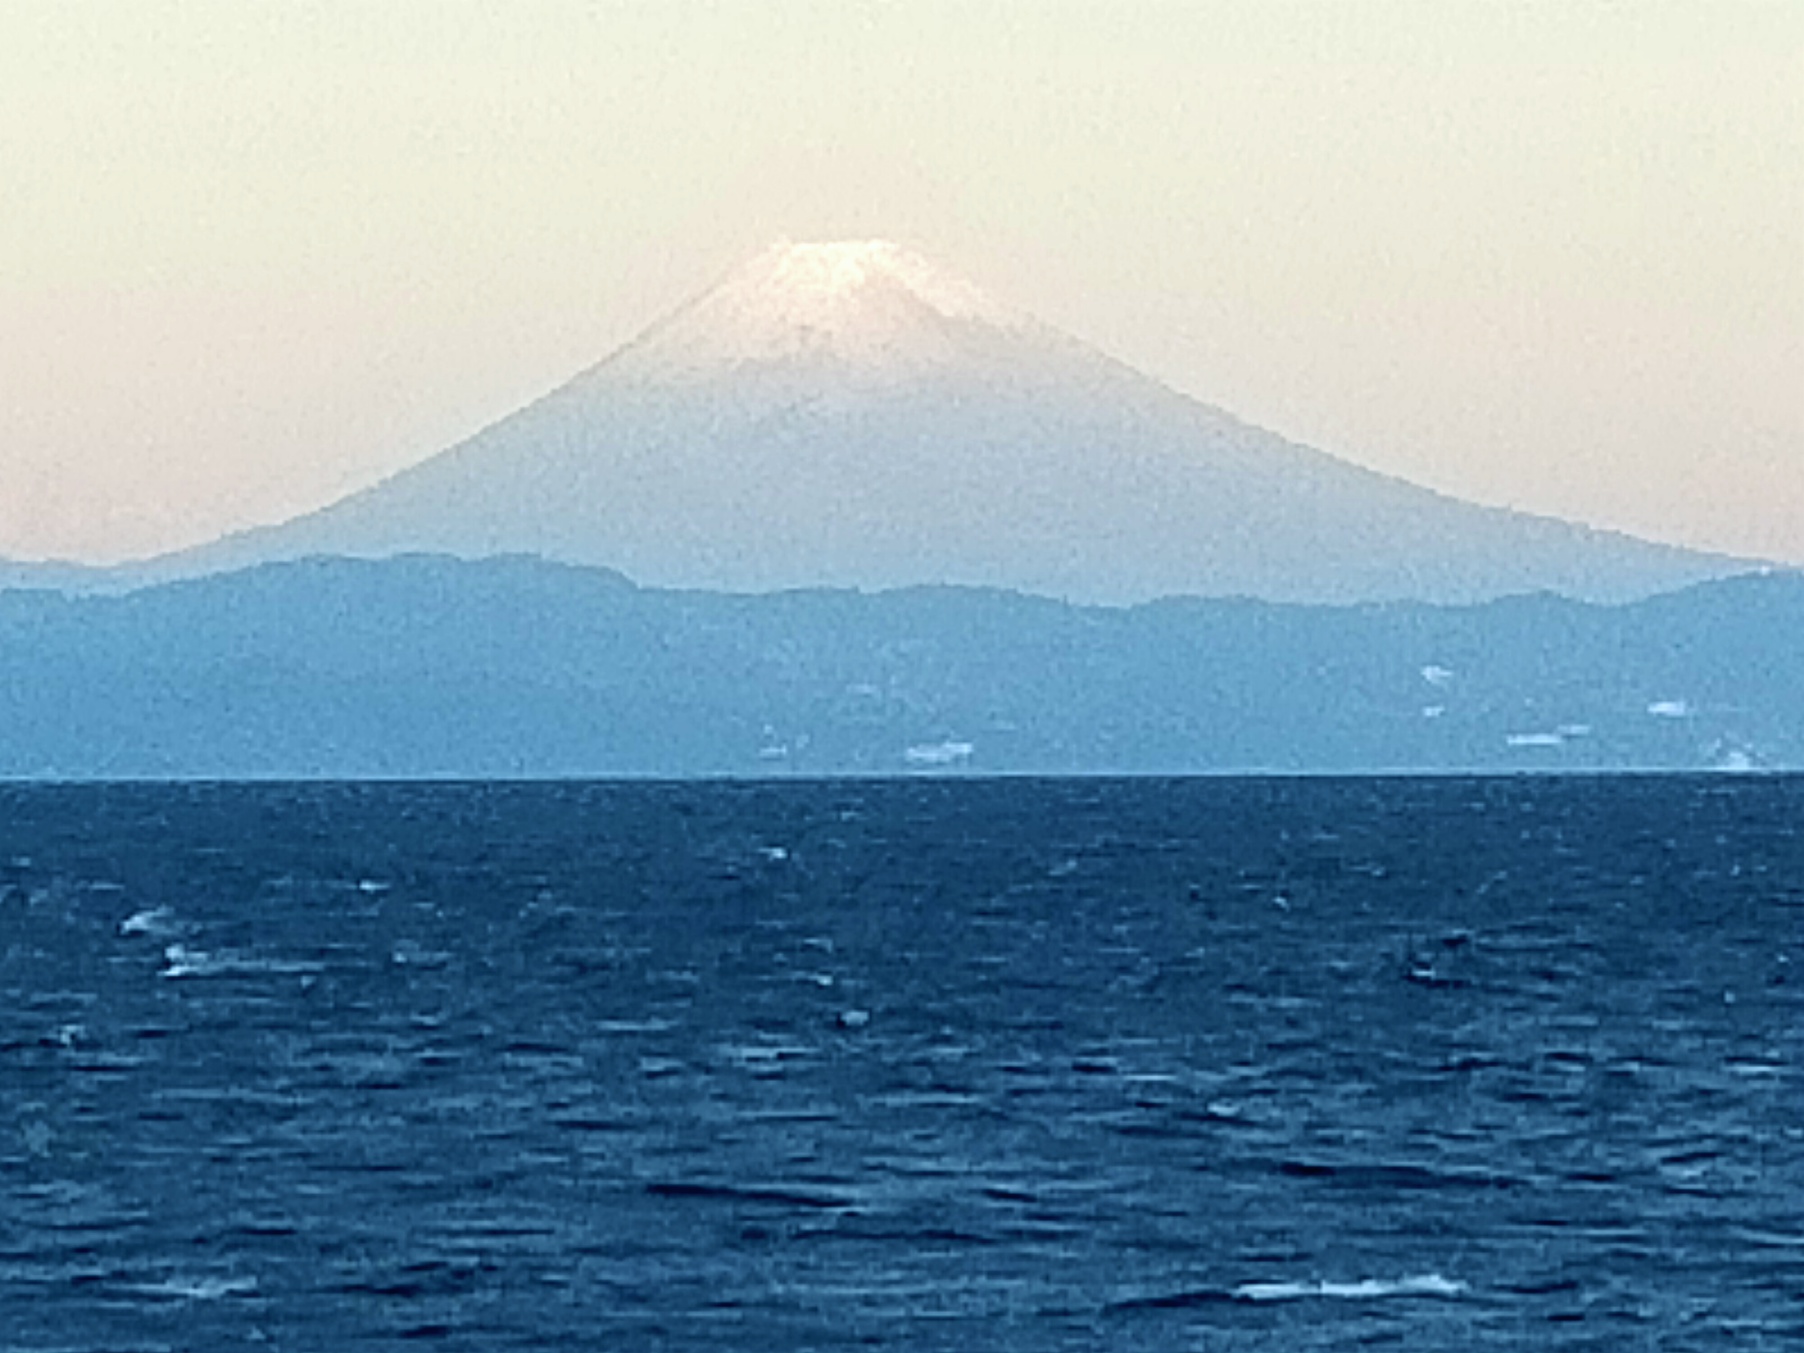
(861, 303)
(825, 282)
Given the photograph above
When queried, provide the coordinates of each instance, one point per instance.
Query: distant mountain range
(430, 666)
(68, 577)
(1065, 557)
(852, 415)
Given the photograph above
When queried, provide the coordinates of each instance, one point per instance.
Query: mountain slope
(851, 415)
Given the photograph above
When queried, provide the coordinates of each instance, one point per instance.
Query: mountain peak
(838, 276)
(850, 414)
(869, 304)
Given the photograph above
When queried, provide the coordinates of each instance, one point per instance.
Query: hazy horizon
(1538, 256)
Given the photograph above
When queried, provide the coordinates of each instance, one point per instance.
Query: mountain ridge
(427, 666)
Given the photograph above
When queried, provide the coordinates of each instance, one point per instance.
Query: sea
(926, 1064)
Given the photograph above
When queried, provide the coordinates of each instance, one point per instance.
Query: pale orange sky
(1549, 255)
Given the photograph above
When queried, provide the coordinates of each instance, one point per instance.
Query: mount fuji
(852, 415)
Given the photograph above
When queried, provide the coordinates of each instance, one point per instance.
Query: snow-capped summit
(868, 305)
(837, 288)
(853, 415)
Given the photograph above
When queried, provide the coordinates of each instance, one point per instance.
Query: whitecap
(634, 1026)
(1421, 1285)
(196, 1289)
(763, 1059)
(411, 953)
(154, 921)
(186, 962)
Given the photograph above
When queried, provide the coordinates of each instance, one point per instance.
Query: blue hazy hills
(433, 666)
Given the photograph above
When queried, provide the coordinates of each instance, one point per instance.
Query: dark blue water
(1431, 1064)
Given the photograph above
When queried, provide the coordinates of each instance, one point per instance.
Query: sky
(254, 256)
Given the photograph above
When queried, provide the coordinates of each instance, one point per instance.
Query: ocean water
(1430, 1064)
